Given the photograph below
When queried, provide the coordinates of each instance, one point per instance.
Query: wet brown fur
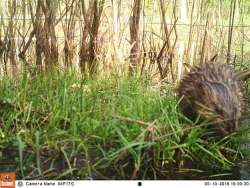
(214, 91)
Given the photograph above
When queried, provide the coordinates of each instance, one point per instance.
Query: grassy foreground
(61, 126)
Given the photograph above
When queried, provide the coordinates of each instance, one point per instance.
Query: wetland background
(88, 88)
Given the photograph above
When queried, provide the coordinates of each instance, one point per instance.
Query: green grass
(62, 126)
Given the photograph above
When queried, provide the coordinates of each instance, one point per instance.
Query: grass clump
(62, 126)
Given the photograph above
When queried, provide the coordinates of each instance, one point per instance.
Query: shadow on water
(241, 170)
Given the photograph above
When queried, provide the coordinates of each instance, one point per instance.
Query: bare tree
(89, 40)
(68, 29)
(51, 49)
(84, 46)
(46, 42)
(12, 4)
(134, 36)
(94, 38)
(39, 33)
(168, 47)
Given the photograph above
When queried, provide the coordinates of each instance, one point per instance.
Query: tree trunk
(83, 54)
(68, 29)
(38, 34)
(51, 49)
(12, 37)
(97, 11)
(89, 47)
(134, 37)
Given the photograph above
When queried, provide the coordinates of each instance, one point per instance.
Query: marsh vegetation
(88, 88)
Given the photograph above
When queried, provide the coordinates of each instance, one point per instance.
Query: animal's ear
(214, 58)
(243, 75)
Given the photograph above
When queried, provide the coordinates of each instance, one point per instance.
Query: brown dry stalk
(145, 124)
(160, 138)
(147, 133)
(231, 25)
(150, 126)
(204, 42)
(100, 174)
(149, 130)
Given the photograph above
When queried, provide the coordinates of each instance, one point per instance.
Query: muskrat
(214, 91)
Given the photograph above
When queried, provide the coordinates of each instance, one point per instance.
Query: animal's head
(222, 105)
(225, 101)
